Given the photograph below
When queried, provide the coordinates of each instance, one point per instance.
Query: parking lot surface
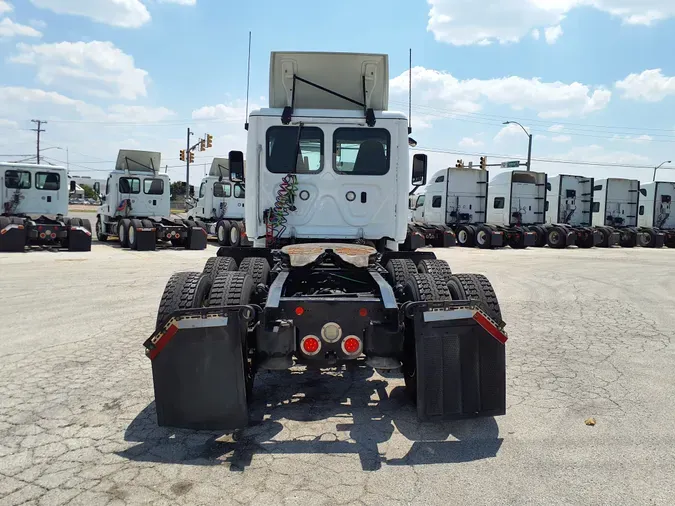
(590, 336)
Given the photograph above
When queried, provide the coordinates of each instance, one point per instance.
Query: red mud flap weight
(461, 361)
(198, 368)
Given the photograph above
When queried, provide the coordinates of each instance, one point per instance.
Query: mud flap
(529, 239)
(659, 240)
(597, 237)
(198, 369)
(197, 238)
(461, 361)
(13, 237)
(570, 238)
(146, 239)
(448, 238)
(414, 240)
(79, 239)
(614, 239)
(497, 239)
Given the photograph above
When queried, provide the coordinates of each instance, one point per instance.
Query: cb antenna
(248, 78)
(410, 92)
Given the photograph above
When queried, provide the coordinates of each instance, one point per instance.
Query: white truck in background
(221, 205)
(33, 209)
(656, 221)
(136, 206)
(517, 207)
(457, 198)
(569, 207)
(615, 209)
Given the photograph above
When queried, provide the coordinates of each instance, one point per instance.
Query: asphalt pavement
(590, 336)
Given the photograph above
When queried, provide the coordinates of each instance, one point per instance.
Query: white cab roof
(340, 72)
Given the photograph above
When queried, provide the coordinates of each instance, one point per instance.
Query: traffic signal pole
(529, 152)
(187, 165)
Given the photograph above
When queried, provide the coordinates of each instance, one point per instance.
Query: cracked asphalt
(590, 335)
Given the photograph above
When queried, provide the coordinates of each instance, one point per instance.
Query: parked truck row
(526, 208)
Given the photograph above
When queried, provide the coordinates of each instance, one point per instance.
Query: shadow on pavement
(355, 414)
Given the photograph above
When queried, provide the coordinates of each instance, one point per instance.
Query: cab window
(222, 190)
(153, 186)
(420, 201)
(239, 192)
(281, 149)
(47, 181)
(17, 179)
(130, 185)
(202, 189)
(361, 151)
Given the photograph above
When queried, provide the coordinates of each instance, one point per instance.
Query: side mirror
(548, 186)
(73, 186)
(236, 159)
(97, 187)
(419, 170)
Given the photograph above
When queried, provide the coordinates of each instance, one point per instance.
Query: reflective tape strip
(81, 229)
(145, 229)
(162, 340)
(199, 323)
(438, 316)
(490, 327)
(10, 227)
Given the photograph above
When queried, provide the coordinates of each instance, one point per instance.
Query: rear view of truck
(656, 220)
(33, 209)
(569, 207)
(615, 208)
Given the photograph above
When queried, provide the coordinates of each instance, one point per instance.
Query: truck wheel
(541, 235)
(465, 236)
(628, 239)
(418, 287)
(400, 269)
(587, 242)
(223, 232)
(133, 236)
(483, 236)
(235, 234)
(99, 231)
(555, 238)
(645, 239)
(256, 267)
(216, 265)
(437, 268)
(476, 288)
(123, 232)
(184, 290)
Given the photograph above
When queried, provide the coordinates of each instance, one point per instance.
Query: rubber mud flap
(497, 240)
(146, 239)
(597, 237)
(461, 365)
(197, 238)
(79, 239)
(198, 371)
(570, 238)
(13, 238)
(659, 240)
(529, 239)
(449, 238)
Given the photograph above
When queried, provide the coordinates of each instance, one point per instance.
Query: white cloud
(468, 142)
(98, 68)
(8, 123)
(650, 85)
(553, 33)
(179, 2)
(536, 34)
(561, 138)
(122, 13)
(440, 90)
(461, 22)
(641, 139)
(5, 7)
(556, 128)
(511, 132)
(9, 28)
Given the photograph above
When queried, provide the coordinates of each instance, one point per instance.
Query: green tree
(89, 192)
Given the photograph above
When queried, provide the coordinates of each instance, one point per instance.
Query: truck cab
(219, 197)
(322, 167)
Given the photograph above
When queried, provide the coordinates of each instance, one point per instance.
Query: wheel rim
(234, 234)
(221, 233)
(462, 236)
(554, 237)
(98, 228)
(132, 234)
(481, 237)
(121, 233)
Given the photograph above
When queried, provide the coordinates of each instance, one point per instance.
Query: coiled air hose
(283, 205)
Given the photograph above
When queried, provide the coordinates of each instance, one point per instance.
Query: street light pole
(529, 144)
(658, 167)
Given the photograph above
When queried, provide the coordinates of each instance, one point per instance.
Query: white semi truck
(457, 198)
(517, 207)
(325, 284)
(656, 221)
(569, 208)
(615, 210)
(136, 206)
(33, 209)
(221, 205)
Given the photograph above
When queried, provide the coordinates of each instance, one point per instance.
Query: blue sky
(591, 79)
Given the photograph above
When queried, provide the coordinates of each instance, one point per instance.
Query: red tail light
(351, 345)
(310, 345)
(299, 310)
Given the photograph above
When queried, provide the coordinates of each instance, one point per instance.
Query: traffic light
(459, 164)
(192, 156)
(182, 155)
(209, 140)
(483, 162)
(202, 145)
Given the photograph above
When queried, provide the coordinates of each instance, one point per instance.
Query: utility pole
(187, 164)
(529, 152)
(38, 130)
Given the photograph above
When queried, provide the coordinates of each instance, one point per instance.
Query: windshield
(361, 151)
(281, 147)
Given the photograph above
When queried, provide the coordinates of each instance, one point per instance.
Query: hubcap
(132, 234)
(234, 234)
(221, 233)
(463, 236)
(482, 236)
(555, 237)
(121, 233)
